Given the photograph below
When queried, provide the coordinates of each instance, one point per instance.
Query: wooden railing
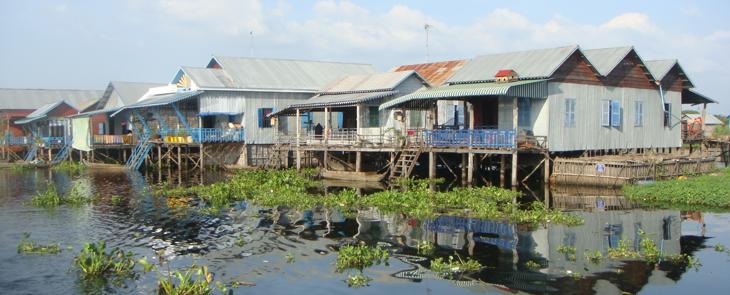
(202, 135)
(113, 139)
(487, 138)
(17, 140)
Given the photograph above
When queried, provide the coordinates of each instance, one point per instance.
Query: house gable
(630, 72)
(577, 69)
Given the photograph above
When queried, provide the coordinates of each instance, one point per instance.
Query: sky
(86, 44)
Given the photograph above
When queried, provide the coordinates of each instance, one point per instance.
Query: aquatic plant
(682, 258)
(719, 248)
(27, 246)
(594, 257)
(531, 264)
(94, 262)
(115, 199)
(48, 198)
(574, 274)
(358, 280)
(710, 191)
(454, 267)
(623, 251)
(78, 194)
(70, 167)
(359, 257)
(20, 167)
(426, 248)
(289, 258)
(196, 280)
(565, 249)
(649, 249)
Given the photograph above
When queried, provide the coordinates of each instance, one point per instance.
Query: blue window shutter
(615, 113)
(340, 119)
(261, 117)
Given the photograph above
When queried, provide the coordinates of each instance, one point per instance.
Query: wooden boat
(354, 176)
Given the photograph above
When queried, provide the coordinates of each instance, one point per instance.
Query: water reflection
(178, 228)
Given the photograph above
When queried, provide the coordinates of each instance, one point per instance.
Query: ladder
(139, 153)
(405, 163)
(30, 156)
(275, 157)
(62, 153)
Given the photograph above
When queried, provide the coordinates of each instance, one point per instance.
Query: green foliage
(70, 167)
(720, 131)
(115, 199)
(707, 191)
(48, 198)
(27, 246)
(623, 251)
(94, 262)
(719, 248)
(594, 257)
(358, 280)
(532, 265)
(690, 261)
(454, 267)
(20, 167)
(426, 248)
(360, 257)
(289, 258)
(565, 249)
(194, 281)
(79, 194)
(649, 249)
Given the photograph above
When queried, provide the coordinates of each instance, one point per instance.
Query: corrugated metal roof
(531, 64)
(131, 92)
(365, 83)
(525, 88)
(436, 73)
(42, 112)
(337, 100)
(159, 100)
(209, 78)
(661, 67)
(604, 60)
(31, 99)
(283, 74)
(709, 120)
(694, 97)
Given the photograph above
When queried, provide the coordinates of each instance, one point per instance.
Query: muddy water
(249, 243)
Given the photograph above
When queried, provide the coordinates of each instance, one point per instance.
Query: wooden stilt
(179, 158)
(431, 165)
(463, 169)
(159, 157)
(202, 157)
(546, 172)
(502, 169)
(470, 169)
(50, 155)
(358, 161)
(514, 168)
(515, 125)
(124, 155)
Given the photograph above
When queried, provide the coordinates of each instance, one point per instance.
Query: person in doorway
(318, 131)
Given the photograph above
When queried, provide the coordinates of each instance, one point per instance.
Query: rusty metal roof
(436, 72)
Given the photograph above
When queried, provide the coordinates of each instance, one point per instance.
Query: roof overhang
(694, 98)
(159, 100)
(525, 88)
(335, 101)
(28, 120)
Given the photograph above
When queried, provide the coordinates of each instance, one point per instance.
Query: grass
(27, 246)
(454, 267)
(95, 262)
(710, 191)
(412, 197)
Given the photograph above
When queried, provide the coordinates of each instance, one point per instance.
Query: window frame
(569, 113)
(638, 113)
(263, 121)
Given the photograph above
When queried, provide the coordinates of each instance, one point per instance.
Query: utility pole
(427, 27)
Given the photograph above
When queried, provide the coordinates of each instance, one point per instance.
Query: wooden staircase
(405, 163)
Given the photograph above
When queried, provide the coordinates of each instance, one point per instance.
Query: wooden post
(704, 116)
(325, 158)
(299, 131)
(159, 157)
(470, 169)
(202, 157)
(358, 161)
(50, 154)
(502, 169)
(326, 124)
(515, 122)
(124, 154)
(431, 165)
(179, 158)
(358, 123)
(463, 169)
(546, 172)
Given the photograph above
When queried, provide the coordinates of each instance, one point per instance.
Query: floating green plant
(426, 248)
(565, 249)
(95, 262)
(48, 198)
(115, 199)
(358, 280)
(20, 167)
(289, 258)
(623, 251)
(532, 265)
(77, 195)
(27, 246)
(196, 280)
(359, 257)
(719, 248)
(710, 191)
(70, 167)
(594, 257)
(454, 267)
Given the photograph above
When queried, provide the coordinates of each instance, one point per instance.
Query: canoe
(350, 175)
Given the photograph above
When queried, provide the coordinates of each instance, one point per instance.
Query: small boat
(351, 175)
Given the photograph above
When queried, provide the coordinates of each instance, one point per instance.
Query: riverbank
(711, 191)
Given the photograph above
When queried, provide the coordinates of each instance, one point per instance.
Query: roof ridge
(574, 46)
(290, 59)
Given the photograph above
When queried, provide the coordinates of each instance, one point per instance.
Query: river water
(249, 243)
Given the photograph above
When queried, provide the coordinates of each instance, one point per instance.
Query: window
(667, 115)
(373, 117)
(569, 112)
(638, 113)
(264, 121)
(524, 111)
(306, 120)
(606, 113)
(101, 129)
(615, 113)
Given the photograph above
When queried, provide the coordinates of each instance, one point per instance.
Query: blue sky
(84, 44)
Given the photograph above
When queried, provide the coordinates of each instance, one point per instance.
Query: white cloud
(631, 21)
(232, 17)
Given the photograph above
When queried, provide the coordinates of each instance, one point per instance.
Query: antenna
(251, 44)
(427, 27)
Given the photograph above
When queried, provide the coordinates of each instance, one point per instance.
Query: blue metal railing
(488, 138)
(17, 140)
(53, 140)
(202, 135)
